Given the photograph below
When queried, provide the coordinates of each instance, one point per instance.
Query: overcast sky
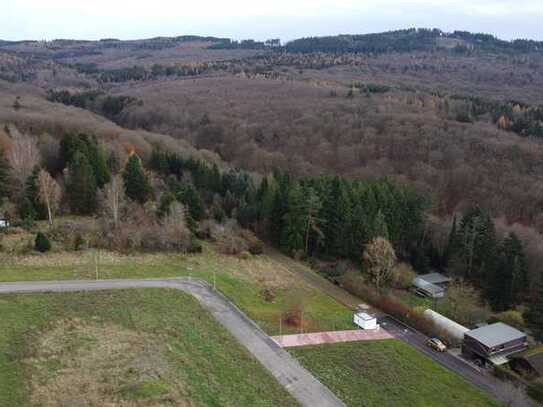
(285, 19)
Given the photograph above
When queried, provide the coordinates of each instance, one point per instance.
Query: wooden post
(96, 264)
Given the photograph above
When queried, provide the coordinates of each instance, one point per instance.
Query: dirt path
(288, 372)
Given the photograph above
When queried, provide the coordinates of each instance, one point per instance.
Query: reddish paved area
(287, 341)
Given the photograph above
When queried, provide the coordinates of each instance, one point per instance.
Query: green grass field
(242, 281)
(153, 346)
(387, 373)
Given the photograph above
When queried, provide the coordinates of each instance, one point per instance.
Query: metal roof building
(431, 285)
(494, 342)
(435, 278)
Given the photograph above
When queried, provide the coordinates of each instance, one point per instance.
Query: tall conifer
(81, 186)
(136, 183)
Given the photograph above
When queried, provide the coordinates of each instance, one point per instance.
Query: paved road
(481, 379)
(297, 380)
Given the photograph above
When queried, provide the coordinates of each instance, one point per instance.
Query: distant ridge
(406, 40)
(413, 39)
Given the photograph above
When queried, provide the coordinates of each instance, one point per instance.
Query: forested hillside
(430, 142)
(412, 40)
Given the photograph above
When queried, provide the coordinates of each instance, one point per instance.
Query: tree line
(325, 217)
(96, 101)
(408, 40)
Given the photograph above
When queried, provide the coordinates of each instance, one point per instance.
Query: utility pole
(96, 254)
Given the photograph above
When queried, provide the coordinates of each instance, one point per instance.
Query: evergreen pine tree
(81, 186)
(261, 194)
(70, 145)
(191, 199)
(336, 214)
(453, 243)
(359, 229)
(26, 210)
(216, 180)
(41, 243)
(278, 209)
(159, 162)
(477, 237)
(293, 233)
(98, 161)
(313, 224)
(515, 260)
(534, 313)
(499, 286)
(31, 207)
(136, 184)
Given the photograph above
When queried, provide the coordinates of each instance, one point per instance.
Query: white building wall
(452, 328)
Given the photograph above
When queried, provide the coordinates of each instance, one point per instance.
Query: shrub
(462, 303)
(195, 246)
(256, 247)
(42, 244)
(268, 294)
(354, 283)
(334, 272)
(245, 255)
(78, 242)
(535, 390)
(232, 245)
(402, 276)
(510, 317)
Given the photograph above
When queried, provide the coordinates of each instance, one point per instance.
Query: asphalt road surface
(481, 379)
(297, 380)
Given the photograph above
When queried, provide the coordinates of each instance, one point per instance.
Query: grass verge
(152, 345)
(387, 373)
(244, 282)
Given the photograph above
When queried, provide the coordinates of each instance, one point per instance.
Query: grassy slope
(216, 369)
(240, 280)
(387, 373)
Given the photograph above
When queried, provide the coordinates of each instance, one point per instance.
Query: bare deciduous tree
(23, 155)
(49, 193)
(114, 199)
(379, 258)
(175, 226)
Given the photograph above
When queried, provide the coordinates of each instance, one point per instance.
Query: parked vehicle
(436, 344)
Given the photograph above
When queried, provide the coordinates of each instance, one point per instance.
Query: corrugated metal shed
(430, 289)
(435, 278)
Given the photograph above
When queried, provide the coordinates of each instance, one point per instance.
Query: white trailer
(365, 321)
